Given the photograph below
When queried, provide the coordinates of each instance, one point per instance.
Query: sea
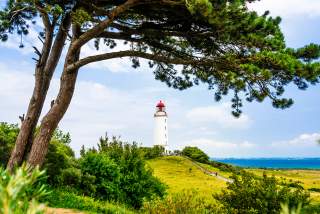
(273, 163)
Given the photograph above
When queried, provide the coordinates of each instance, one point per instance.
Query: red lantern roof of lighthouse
(160, 104)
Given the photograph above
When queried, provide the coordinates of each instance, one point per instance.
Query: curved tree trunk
(44, 71)
(28, 125)
(51, 120)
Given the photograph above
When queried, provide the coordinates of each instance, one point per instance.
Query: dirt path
(62, 211)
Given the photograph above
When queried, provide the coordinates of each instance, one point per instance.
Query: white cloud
(303, 140)
(219, 115)
(288, 8)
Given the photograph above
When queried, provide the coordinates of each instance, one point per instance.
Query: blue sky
(115, 98)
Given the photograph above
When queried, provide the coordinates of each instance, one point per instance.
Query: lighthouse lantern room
(161, 127)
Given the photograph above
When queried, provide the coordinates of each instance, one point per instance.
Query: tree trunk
(30, 120)
(28, 125)
(51, 120)
(43, 75)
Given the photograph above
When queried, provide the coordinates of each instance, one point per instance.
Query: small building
(161, 126)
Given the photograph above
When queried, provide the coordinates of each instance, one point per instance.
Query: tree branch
(58, 44)
(99, 28)
(132, 53)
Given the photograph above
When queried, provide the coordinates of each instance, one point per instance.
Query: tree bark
(51, 120)
(43, 75)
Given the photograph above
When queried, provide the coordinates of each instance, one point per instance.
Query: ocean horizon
(273, 163)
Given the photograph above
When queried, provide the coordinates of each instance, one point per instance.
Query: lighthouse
(161, 126)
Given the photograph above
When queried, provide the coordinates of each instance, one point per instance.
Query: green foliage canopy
(152, 152)
(195, 154)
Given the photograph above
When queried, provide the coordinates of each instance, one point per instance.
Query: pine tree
(186, 42)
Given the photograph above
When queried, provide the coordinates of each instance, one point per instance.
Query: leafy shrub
(131, 182)
(152, 152)
(225, 167)
(8, 136)
(59, 157)
(70, 177)
(247, 194)
(106, 174)
(19, 192)
(195, 154)
(181, 203)
(311, 209)
(314, 189)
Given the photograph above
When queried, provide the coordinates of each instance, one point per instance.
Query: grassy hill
(180, 173)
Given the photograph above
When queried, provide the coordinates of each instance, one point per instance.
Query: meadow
(180, 173)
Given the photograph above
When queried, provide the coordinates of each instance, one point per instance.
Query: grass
(67, 199)
(180, 174)
(308, 178)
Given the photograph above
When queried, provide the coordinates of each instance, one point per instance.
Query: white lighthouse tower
(161, 127)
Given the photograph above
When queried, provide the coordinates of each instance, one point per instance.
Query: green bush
(70, 177)
(132, 182)
(19, 191)
(225, 167)
(152, 152)
(247, 194)
(59, 157)
(311, 209)
(195, 154)
(182, 203)
(8, 136)
(106, 174)
(314, 189)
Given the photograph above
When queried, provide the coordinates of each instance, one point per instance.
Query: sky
(113, 97)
